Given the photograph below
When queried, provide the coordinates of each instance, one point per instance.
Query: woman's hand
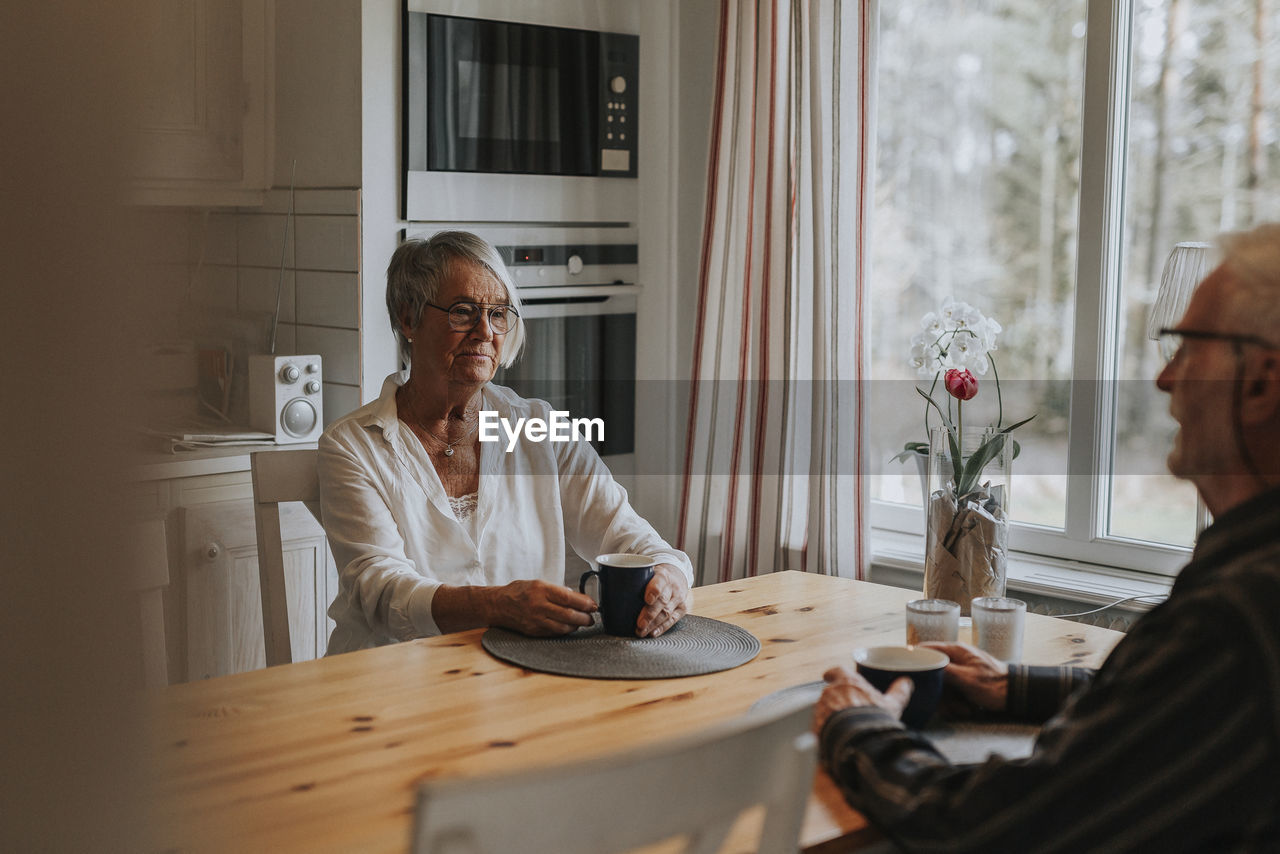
(981, 678)
(667, 599)
(847, 689)
(539, 609)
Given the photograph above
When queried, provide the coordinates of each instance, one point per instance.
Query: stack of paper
(180, 440)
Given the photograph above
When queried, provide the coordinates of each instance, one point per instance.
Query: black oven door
(513, 98)
(580, 357)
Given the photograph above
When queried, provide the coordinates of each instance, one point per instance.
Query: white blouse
(396, 539)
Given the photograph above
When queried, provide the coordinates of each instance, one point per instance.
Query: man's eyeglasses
(1171, 340)
(465, 316)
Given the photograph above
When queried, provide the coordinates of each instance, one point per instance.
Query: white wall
(380, 182)
(698, 28)
(671, 231)
(654, 489)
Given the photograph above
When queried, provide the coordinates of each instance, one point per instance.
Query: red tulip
(960, 384)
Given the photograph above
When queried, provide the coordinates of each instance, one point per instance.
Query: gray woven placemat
(694, 646)
(962, 742)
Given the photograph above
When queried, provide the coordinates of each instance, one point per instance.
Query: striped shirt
(1173, 746)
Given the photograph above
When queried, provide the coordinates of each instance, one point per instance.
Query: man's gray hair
(1254, 259)
(418, 270)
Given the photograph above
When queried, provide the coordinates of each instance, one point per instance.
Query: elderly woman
(435, 531)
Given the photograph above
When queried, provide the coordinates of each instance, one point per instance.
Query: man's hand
(847, 689)
(667, 599)
(979, 677)
(539, 609)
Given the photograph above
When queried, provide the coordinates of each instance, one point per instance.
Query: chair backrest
(149, 571)
(695, 787)
(279, 476)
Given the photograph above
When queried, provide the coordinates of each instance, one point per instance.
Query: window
(1039, 159)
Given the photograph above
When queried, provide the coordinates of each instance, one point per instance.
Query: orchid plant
(955, 343)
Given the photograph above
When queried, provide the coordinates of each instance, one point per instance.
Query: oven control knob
(290, 373)
(575, 265)
(618, 84)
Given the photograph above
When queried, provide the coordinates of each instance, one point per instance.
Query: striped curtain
(775, 449)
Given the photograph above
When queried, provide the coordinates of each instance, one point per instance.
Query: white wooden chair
(279, 476)
(149, 569)
(693, 788)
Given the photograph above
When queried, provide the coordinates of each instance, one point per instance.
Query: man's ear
(1261, 399)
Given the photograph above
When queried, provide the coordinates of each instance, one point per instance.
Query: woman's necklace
(448, 450)
(448, 446)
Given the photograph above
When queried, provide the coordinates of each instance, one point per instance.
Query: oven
(508, 119)
(580, 357)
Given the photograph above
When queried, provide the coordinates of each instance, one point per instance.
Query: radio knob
(618, 84)
(575, 265)
(313, 368)
(313, 387)
(290, 373)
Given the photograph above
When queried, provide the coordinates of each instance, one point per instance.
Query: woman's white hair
(1253, 256)
(418, 270)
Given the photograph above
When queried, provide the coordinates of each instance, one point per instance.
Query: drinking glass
(998, 626)
(932, 620)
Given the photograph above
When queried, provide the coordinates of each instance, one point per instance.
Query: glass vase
(966, 515)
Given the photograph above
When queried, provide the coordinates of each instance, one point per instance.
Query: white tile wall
(337, 201)
(258, 239)
(287, 340)
(328, 243)
(339, 399)
(328, 202)
(328, 299)
(338, 347)
(257, 291)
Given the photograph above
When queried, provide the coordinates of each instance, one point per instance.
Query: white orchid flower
(931, 323)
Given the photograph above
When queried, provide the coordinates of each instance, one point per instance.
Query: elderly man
(1174, 744)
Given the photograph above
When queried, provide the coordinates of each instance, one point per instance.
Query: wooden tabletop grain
(326, 755)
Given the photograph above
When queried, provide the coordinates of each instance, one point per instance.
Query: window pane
(1202, 159)
(978, 135)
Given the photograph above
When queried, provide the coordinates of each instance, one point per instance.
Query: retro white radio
(285, 397)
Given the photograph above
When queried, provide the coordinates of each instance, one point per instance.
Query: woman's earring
(410, 340)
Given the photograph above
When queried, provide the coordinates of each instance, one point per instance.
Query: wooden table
(326, 755)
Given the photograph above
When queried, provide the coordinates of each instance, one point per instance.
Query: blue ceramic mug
(884, 665)
(622, 578)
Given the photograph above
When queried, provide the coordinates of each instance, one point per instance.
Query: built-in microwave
(508, 119)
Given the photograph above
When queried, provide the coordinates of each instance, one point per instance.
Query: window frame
(1095, 338)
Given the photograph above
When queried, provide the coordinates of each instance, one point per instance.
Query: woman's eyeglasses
(465, 316)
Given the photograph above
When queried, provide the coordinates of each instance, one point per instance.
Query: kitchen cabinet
(205, 117)
(213, 605)
(222, 600)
